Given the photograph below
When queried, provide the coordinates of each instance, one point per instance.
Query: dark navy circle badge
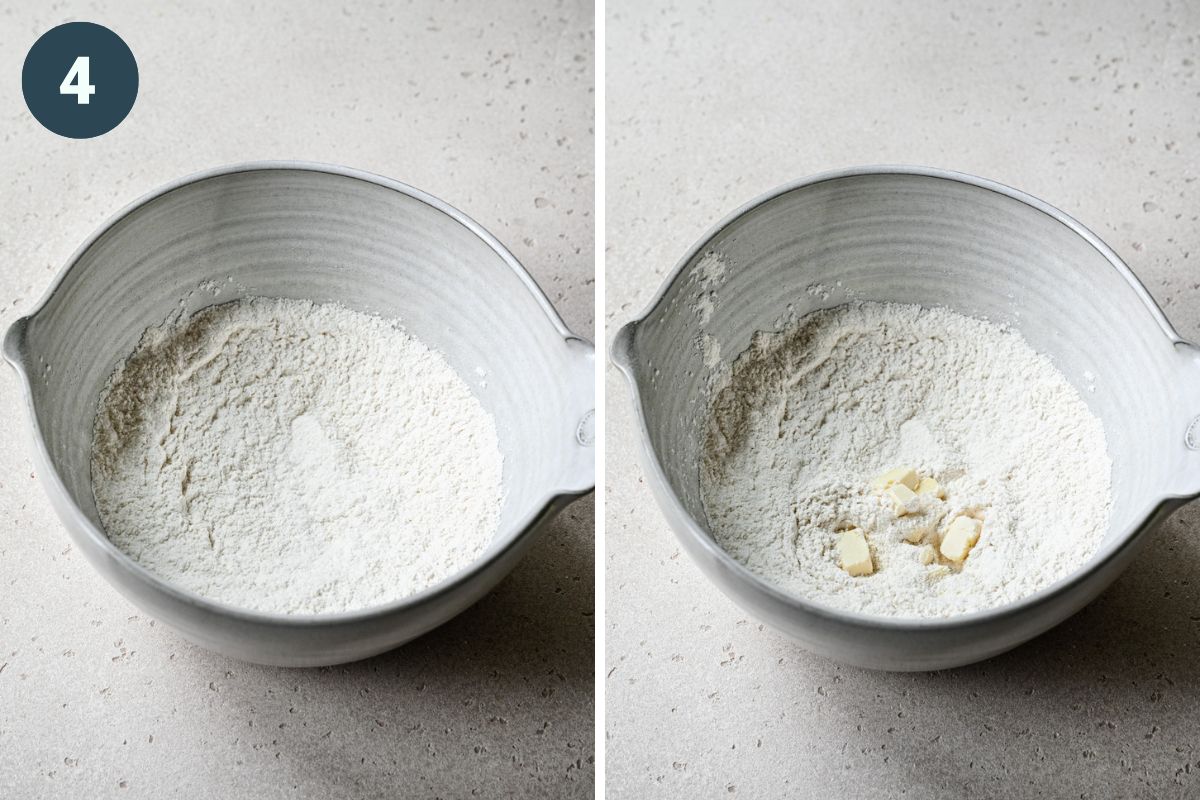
(80, 80)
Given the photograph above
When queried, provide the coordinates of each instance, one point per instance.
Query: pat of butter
(960, 537)
(930, 486)
(905, 476)
(854, 552)
(904, 499)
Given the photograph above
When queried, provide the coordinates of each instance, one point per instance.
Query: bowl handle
(1189, 477)
(580, 475)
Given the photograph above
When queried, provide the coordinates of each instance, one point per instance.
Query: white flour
(807, 417)
(296, 458)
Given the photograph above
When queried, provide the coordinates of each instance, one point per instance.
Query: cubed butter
(960, 537)
(906, 476)
(930, 486)
(854, 552)
(928, 556)
(904, 500)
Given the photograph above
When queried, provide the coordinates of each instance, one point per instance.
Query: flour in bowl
(807, 418)
(291, 457)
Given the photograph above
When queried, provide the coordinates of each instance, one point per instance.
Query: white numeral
(78, 81)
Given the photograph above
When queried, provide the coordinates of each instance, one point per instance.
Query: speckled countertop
(488, 109)
(710, 104)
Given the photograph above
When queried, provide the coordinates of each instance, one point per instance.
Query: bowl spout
(14, 343)
(621, 351)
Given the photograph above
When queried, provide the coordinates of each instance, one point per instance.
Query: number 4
(78, 81)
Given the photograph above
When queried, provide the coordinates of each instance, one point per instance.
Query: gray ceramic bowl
(934, 238)
(322, 233)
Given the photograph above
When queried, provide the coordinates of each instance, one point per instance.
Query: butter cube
(905, 476)
(928, 556)
(960, 537)
(931, 486)
(904, 500)
(854, 552)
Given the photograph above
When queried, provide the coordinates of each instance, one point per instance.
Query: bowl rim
(691, 532)
(14, 351)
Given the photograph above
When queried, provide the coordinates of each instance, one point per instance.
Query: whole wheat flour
(296, 458)
(805, 418)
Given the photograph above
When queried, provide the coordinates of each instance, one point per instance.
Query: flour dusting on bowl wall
(302, 413)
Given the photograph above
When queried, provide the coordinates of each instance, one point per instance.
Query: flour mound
(289, 457)
(807, 417)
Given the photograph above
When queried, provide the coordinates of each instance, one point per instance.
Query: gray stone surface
(489, 107)
(1095, 108)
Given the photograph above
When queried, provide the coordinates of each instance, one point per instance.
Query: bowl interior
(321, 236)
(932, 241)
